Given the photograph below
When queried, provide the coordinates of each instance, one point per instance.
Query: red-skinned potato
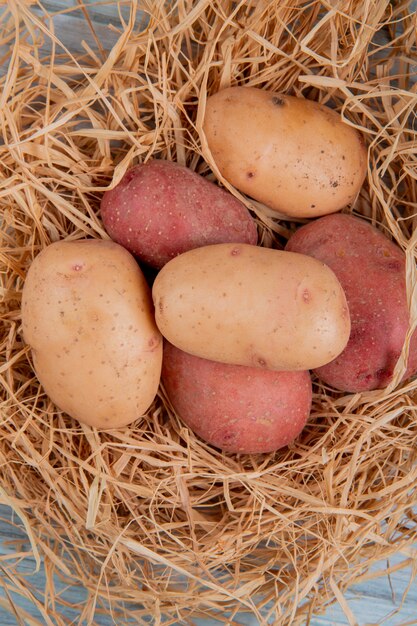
(371, 270)
(87, 315)
(253, 306)
(161, 209)
(296, 156)
(236, 408)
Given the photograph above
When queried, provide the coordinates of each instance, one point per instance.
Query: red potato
(161, 209)
(236, 408)
(371, 270)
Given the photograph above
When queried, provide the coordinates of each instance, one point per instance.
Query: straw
(152, 522)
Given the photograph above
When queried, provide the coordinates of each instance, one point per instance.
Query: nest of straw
(151, 521)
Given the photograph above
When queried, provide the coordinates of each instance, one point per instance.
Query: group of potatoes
(243, 325)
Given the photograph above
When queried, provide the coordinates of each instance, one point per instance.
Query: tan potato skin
(87, 315)
(247, 305)
(294, 155)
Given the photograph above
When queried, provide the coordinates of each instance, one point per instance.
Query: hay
(151, 521)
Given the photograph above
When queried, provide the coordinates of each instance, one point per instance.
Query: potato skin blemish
(306, 295)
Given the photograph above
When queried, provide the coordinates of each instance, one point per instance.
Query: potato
(87, 316)
(161, 209)
(294, 155)
(371, 269)
(235, 408)
(253, 306)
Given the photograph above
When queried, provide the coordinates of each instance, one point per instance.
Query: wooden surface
(376, 602)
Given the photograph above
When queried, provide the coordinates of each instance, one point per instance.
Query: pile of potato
(242, 325)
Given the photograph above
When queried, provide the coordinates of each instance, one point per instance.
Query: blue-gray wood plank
(372, 603)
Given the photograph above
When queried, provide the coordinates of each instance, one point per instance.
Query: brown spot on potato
(358, 332)
(394, 265)
(228, 437)
(128, 176)
(250, 175)
(278, 101)
(306, 295)
(383, 375)
(383, 252)
(364, 376)
(153, 343)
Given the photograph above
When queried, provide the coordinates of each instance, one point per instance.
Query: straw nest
(152, 522)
